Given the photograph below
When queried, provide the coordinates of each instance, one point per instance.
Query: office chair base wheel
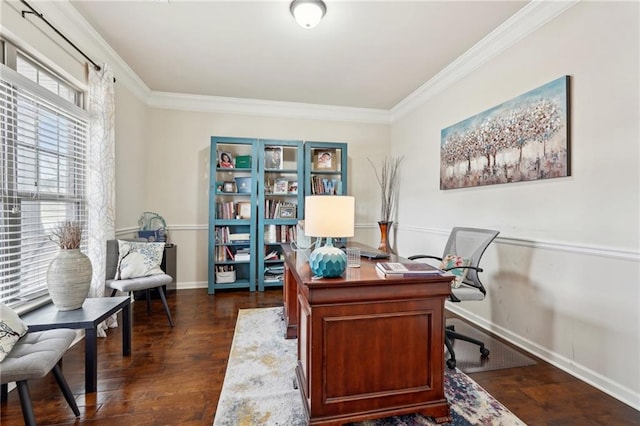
(451, 363)
(484, 352)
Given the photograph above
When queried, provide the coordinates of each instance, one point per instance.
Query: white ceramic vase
(69, 279)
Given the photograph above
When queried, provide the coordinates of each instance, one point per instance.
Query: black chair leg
(66, 391)
(454, 335)
(148, 295)
(166, 306)
(451, 362)
(25, 403)
(4, 391)
(113, 293)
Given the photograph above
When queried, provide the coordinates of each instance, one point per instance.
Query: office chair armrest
(424, 256)
(475, 268)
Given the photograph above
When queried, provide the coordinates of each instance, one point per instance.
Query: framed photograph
(287, 212)
(325, 159)
(273, 158)
(293, 188)
(229, 186)
(225, 160)
(281, 186)
(244, 210)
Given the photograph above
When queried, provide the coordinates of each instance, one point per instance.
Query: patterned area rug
(258, 385)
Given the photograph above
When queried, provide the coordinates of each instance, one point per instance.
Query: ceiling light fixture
(308, 13)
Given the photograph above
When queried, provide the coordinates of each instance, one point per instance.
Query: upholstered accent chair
(130, 285)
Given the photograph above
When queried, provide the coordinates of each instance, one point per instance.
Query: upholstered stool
(32, 357)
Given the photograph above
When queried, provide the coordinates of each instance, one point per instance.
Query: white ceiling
(367, 54)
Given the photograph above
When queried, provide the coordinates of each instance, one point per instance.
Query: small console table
(368, 346)
(92, 313)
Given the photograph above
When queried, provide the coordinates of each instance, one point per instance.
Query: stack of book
(242, 255)
(409, 269)
(273, 274)
(239, 237)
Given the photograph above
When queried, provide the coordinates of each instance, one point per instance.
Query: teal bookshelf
(280, 205)
(325, 170)
(256, 198)
(232, 214)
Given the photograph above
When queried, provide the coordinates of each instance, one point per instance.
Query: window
(42, 172)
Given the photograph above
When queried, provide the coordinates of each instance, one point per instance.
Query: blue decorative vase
(328, 261)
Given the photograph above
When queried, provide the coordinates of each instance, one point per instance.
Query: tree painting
(523, 139)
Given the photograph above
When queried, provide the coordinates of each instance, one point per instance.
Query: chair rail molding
(576, 248)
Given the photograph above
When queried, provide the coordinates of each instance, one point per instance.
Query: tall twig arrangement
(67, 235)
(388, 179)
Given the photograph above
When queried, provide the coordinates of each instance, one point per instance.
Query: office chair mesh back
(470, 243)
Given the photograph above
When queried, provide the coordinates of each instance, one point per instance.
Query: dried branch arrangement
(388, 179)
(67, 235)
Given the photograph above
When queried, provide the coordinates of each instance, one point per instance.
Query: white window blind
(42, 176)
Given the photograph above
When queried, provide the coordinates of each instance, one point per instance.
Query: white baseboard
(191, 285)
(579, 371)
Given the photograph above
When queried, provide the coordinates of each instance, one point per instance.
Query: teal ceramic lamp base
(328, 261)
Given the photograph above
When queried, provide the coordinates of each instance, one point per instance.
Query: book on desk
(407, 269)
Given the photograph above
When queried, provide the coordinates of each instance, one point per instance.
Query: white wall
(177, 175)
(563, 279)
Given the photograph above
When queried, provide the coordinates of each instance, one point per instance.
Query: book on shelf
(242, 255)
(239, 237)
(270, 234)
(273, 255)
(407, 269)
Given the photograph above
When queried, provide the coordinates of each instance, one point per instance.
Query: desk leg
(91, 359)
(126, 330)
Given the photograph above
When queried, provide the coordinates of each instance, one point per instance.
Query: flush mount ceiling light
(308, 13)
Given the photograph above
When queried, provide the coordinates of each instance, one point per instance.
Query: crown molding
(259, 107)
(64, 16)
(524, 22)
(531, 17)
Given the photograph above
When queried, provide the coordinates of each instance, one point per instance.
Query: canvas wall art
(523, 139)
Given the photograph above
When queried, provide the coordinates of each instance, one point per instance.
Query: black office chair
(468, 243)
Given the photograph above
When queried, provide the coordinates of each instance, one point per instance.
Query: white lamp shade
(308, 13)
(329, 216)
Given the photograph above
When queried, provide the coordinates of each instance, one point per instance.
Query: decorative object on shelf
(281, 186)
(243, 162)
(325, 160)
(525, 138)
(243, 185)
(388, 179)
(273, 158)
(329, 217)
(69, 274)
(308, 13)
(225, 161)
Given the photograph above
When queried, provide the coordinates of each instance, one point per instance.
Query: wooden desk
(368, 347)
(92, 313)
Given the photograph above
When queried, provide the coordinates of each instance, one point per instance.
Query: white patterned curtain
(101, 178)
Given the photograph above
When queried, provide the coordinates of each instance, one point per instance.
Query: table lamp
(328, 216)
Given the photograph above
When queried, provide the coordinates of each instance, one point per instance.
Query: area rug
(258, 387)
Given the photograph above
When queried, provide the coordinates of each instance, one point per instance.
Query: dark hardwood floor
(174, 375)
